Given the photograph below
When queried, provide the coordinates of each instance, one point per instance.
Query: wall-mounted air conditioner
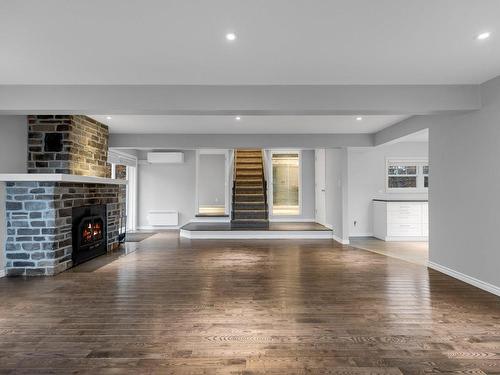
(166, 157)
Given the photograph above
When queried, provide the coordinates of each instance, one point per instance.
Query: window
(410, 175)
(286, 183)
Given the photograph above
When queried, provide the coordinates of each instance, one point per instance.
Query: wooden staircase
(249, 190)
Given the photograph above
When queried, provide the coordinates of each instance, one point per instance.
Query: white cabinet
(401, 220)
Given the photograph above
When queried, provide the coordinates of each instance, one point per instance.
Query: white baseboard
(465, 278)
(340, 240)
(361, 235)
(2, 273)
(407, 239)
(335, 237)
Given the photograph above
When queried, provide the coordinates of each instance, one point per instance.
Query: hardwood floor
(411, 251)
(177, 306)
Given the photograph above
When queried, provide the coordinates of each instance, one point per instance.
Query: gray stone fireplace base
(39, 222)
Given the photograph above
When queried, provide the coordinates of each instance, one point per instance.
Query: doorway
(286, 178)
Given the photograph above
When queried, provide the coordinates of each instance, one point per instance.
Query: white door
(320, 185)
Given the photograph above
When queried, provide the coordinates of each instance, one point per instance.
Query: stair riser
(246, 167)
(247, 160)
(250, 206)
(250, 224)
(248, 173)
(250, 215)
(246, 190)
(248, 198)
(250, 183)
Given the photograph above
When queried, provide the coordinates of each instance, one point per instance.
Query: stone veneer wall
(39, 223)
(84, 145)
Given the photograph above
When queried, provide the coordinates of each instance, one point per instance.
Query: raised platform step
(305, 230)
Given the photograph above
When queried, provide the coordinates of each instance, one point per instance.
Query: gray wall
(212, 180)
(168, 187)
(13, 144)
(308, 192)
(13, 159)
(367, 181)
(464, 196)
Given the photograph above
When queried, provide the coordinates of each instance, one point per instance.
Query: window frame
(419, 162)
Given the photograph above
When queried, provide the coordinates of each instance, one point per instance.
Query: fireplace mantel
(59, 177)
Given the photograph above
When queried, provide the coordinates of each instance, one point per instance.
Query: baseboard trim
(2, 273)
(361, 235)
(340, 240)
(405, 239)
(465, 278)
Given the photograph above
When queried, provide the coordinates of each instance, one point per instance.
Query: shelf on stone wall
(58, 177)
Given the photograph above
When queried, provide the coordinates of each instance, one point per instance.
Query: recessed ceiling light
(237, 118)
(359, 118)
(231, 37)
(109, 118)
(483, 36)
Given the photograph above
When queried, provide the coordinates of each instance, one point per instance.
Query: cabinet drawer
(394, 230)
(404, 217)
(404, 207)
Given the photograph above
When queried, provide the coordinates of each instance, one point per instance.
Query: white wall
(167, 187)
(336, 192)
(13, 159)
(212, 180)
(308, 192)
(367, 180)
(464, 196)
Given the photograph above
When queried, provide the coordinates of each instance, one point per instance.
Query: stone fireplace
(67, 188)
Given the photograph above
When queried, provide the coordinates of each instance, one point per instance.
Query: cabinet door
(408, 213)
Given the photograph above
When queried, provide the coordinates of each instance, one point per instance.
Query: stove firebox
(89, 232)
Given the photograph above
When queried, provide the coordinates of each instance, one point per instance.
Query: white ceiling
(279, 41)
(247, 124)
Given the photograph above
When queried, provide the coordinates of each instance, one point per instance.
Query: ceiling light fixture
(359, 118)
(109, 118)
(237, 118)
(483, 36)
(231, 37)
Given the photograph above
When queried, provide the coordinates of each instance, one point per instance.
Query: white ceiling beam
(220, 141)
(242, 100)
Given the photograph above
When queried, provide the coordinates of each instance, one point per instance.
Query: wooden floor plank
(178, 306)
